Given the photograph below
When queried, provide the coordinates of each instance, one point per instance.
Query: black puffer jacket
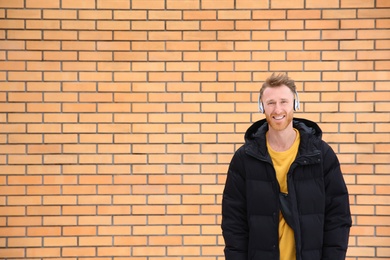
(317, 200)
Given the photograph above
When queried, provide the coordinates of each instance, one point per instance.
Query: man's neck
(281, 140)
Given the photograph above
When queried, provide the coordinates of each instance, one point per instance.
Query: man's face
(278, 107)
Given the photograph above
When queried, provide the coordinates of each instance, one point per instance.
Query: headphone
(296, 103)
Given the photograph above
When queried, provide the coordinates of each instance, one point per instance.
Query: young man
(285, 197)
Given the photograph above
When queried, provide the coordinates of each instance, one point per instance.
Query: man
(285, 197)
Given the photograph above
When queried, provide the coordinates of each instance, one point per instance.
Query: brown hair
(277, 80)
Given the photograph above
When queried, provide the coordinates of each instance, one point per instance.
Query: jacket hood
(304, 126)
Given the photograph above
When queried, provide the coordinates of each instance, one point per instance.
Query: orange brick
(24, 35)
(197, 15)
(110, 148)
(101, 4)
(182, 25)
(186, 230)
(12, 252)
(183, 189)
(12, 211)
(98, 241)
(320, 4)
(352, 65)
(173, 240)
(113, 189)
(60, 241)
(113, 210)
(184, 250)
(250, 66)
(167, 199)
(199, 76)
(148, 189)
(125, 138)
(132, 220)
(205, 219)
(372, 34)
(44, 231)
(51, 25)
(79, 251)
(279, 4)
(381, 148)
(119, 230)
(183, 169)
(149, 210)
(59, 14)
(95, 35)
(70, 4)
(382, 158)
(114, 251)
(157, 169)
(377, 55)
(97, 14)
(372, 13)
(94, 220)
(135, 159)
(224, 4)
(24, 200)
(79, 231)
(203, 199)
(153, 4)
(12, 169)
(382, 65)
(24, 55)
(357, 4)
(182, 209)
(358, 24)
(152, 14)
(16, 65)
(14, 4)
(382, 231)
(211, 45)
(383, 23)
(303, 35)
(25, 221)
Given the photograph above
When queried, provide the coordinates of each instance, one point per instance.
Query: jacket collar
(255, 140)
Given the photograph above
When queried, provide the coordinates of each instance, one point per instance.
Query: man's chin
(278, 125)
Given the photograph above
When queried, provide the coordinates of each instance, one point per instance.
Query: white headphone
(296, 103)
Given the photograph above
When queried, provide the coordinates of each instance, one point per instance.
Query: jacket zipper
(299, 160)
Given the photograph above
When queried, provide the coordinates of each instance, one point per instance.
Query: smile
(279, 117)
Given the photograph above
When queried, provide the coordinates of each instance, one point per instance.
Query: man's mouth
(279, 117)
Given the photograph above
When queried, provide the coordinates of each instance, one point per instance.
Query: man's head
(277, 80)
(277, 101)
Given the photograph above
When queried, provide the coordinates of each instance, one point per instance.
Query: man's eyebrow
(270, 100)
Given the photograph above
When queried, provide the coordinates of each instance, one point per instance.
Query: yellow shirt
(282, 162)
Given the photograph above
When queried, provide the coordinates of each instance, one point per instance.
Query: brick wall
(118, 118)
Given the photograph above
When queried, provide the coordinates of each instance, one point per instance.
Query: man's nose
(278, 107)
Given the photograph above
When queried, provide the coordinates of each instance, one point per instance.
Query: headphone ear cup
(296, 101)
(260, 105)
(296, 104)
(261, 108)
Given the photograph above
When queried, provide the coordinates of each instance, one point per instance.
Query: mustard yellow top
(282, 162)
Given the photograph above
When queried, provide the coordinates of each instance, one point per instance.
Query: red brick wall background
(118, 118)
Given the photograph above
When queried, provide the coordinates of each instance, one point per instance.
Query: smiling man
(285, 197)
